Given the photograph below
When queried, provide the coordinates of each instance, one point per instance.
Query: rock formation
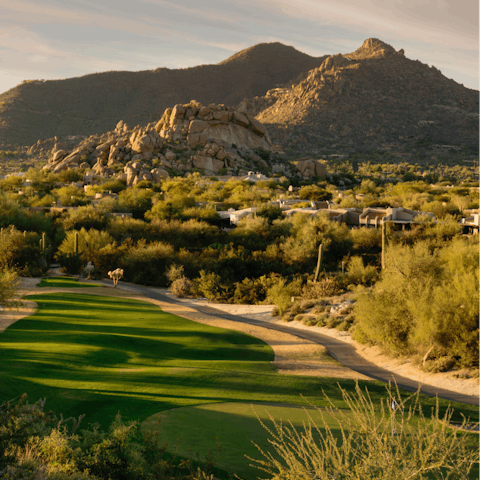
(209, 138)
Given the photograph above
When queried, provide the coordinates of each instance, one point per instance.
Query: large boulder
(207, 163)
(311, 168)
(158, 174)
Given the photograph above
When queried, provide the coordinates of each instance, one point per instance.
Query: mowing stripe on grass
(98, 355)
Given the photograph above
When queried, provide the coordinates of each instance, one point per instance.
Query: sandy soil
(292, 354)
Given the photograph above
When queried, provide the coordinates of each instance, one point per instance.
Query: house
(237, 215)
(374, 217)
(470, 224)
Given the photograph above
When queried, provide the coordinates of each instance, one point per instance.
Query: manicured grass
(65, 282)
(100, 355)
(234, 426)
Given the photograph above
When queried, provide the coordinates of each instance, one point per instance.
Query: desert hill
(94, 104)
(368, 99)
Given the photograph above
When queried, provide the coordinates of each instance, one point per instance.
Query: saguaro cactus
(319, 262)
(384, 244)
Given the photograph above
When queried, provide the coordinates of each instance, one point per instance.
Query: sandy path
(293, 355)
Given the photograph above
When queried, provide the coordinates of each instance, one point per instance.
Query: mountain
(372, 99)
(368, 99)
(94, 104)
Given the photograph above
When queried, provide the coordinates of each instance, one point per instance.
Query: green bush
(425, 298)
(321, 320)
(327, 286)
(211, 285)
(36, 445)
(146, 264)
(281, 293)
(358, 274)
(9, 282)
(22, 252)
(70, 263)
(89, 242)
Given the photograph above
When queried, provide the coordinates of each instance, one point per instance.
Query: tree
(9, 282)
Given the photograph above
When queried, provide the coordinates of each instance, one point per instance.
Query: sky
(56, 39)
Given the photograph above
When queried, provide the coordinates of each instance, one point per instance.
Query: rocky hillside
(94, 104)
(368, 99)
(212, 139)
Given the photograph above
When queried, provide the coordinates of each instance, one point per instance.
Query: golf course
(99, 355)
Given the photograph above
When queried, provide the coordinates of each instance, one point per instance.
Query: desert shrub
(174, 272)
(377, 442)
(70, 263)
(110, 256)
(9, 282)
(305, 305)
(321, 320)
(299, 318)
(281, 293)
(327, 286)
(366, 240)
(210, 284)
(296, 308)
(343, 326)
(146, 264)
(181, 287)
(83, 217)
(320, 309)
(314, 192)
(89, 242)
(358, 274)
(309, 321)
(253, 291)
(288, 317)
(36, 445)
(441, 364)
(13, 214)
(425, 298)
(331, 322)
(22, 252)
(135, 200)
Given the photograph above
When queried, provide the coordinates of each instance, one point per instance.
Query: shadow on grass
(88, 358)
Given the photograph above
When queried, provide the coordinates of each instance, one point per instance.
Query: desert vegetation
(423, 303)
(94, 361)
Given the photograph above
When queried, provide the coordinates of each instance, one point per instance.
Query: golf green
(233, 428)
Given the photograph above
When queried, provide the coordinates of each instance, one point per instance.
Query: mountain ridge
(367, 99)
(94, 103)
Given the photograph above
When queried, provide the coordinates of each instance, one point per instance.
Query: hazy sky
(53, 39)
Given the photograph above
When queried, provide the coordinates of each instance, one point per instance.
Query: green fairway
(100, 355)
(65, 282)
(234, 426)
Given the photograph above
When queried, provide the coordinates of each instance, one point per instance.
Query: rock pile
(212, 139)
(311, 168)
